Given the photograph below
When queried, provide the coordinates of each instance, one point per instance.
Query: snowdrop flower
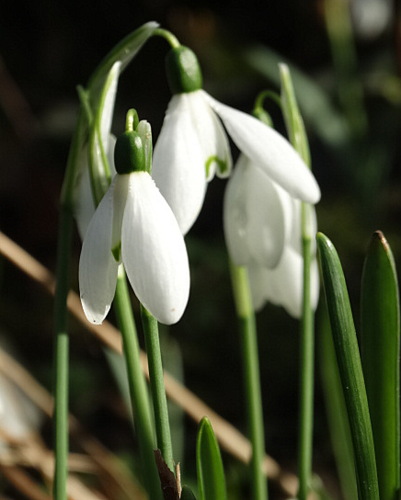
(98, 150)
(193, 144)
(135, 226)
(262, 225)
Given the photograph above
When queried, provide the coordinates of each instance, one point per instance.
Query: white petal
(254, 217)
(283, 286)
(107, 100)
(178, 164)
(84, 207)
(97, 266)
(270, 151)
(211, 134)
(153, 251)
(258, 281)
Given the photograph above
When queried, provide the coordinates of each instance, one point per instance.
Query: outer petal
(107, 100)
(84, 207)
(283, 285)
(211, 134)
(178, 164)
(270, 152)
(153, 251)
(254, 217)
(97, 266)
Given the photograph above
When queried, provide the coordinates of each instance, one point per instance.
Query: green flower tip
(183, 71)
(262, 115)
(133, 150)
(129, 153)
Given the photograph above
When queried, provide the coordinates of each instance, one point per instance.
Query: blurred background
(345, 59)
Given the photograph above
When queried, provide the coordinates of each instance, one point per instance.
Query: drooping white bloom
(98, 149)
(193, 146)
(135, 226)
(262, 225)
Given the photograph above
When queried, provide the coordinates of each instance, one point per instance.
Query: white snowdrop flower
(193, 145)
(134, 226)
(262, 225)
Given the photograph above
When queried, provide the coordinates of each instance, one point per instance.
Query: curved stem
(168, 36)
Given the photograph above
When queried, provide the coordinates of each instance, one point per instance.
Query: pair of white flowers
(261, 206)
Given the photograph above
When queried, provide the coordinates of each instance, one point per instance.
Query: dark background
(48, 47)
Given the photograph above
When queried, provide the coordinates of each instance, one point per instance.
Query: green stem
(168, 36)
(61, 347)
(306, 370)
(247, 327)
(137, 387)
(61, 355)
(156, 377)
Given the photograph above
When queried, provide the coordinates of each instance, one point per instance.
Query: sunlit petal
(153, 251)
(254, 217)
(97, 266)
(269, 151)
(178, 164)
(84, 206)
(107, 101)
(283, 285)
(211, 134)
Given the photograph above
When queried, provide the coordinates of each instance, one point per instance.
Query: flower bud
(183, 71)
(129, 153)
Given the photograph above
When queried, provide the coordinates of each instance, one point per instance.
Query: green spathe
(183, 71)
(129, 153)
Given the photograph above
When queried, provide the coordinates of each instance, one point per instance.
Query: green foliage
(350, 367)
(211, 478)
(380, 320)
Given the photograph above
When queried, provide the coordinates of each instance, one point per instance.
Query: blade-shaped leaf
(187, 494)
(336, 411)
(380, 319)
(211, 479)
(350, 367)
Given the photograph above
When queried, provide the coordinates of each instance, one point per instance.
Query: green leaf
(350, 367)
(340, 432)
(380, 319)
(187, 494)
(211, 479)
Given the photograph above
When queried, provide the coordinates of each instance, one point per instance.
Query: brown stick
(229, 437)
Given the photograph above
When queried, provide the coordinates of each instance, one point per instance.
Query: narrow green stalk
(168, 36)
(61, 357)
(61, 347)
(137, 387)
(296, 130)
(156, 377)
(247, 327)
(307, 350)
